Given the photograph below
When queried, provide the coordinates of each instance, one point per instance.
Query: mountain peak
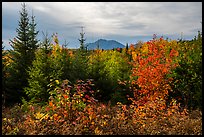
(105, 44)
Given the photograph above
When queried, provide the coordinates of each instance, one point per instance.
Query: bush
(152, 63)
(107, 68)
(187, 84)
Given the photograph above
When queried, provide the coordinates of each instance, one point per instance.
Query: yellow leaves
(45, 116)
(7, 119)
(173, 102)
(4, 119)
(142, 114)
(6, 59)
(55, 49)
(119, 103)
(41, 116)
(81, 95)
(57, 82)
(97, 131)
(134, 55)
(38, 115)
(104, 123)
(56, 117)
(78, 101)
(145, 49)
(90, 117)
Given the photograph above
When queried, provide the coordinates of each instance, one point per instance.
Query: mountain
(105, 44)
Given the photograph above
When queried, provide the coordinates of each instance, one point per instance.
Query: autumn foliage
(151, 65)
(74, 107)
(147, 88)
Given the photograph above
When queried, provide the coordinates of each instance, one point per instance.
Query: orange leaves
(71, 53)
(131, 48)
(124, 108)
(173, 53)
(65, 96)
(65, 113)
(151, 65)
(50, 103)
(165, 70)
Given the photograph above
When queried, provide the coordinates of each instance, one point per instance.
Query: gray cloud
(122, 21)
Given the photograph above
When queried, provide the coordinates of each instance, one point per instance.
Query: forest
(148, 88)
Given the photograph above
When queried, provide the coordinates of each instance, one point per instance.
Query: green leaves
(189, 72)
(106, 68)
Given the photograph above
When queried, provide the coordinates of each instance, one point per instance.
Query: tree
(126, 47)
(33, 42)
(188, 76)
(24, 46)
(39, 73)
(79, 64)
(82, 41)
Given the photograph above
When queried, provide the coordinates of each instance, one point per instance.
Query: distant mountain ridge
(104, 44)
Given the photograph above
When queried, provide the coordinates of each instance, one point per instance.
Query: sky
(125, 22)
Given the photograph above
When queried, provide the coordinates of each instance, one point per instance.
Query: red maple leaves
(151, 63)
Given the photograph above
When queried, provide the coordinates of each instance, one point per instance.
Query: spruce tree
(24, 46)
(82, 40)
(126, 47)
(39, 73)
(33, 42)
(80, 61)
(52, 63)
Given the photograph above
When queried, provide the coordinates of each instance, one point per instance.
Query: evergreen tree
(80, 61)
(24, 46)
(126, 47)
(39, 73)
(82, 41)
(79, 66)
(33, 42)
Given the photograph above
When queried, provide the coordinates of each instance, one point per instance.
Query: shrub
(187, 83)
(106, 68)
(152, 63)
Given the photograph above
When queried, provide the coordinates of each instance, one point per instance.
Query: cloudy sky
(124, 22)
